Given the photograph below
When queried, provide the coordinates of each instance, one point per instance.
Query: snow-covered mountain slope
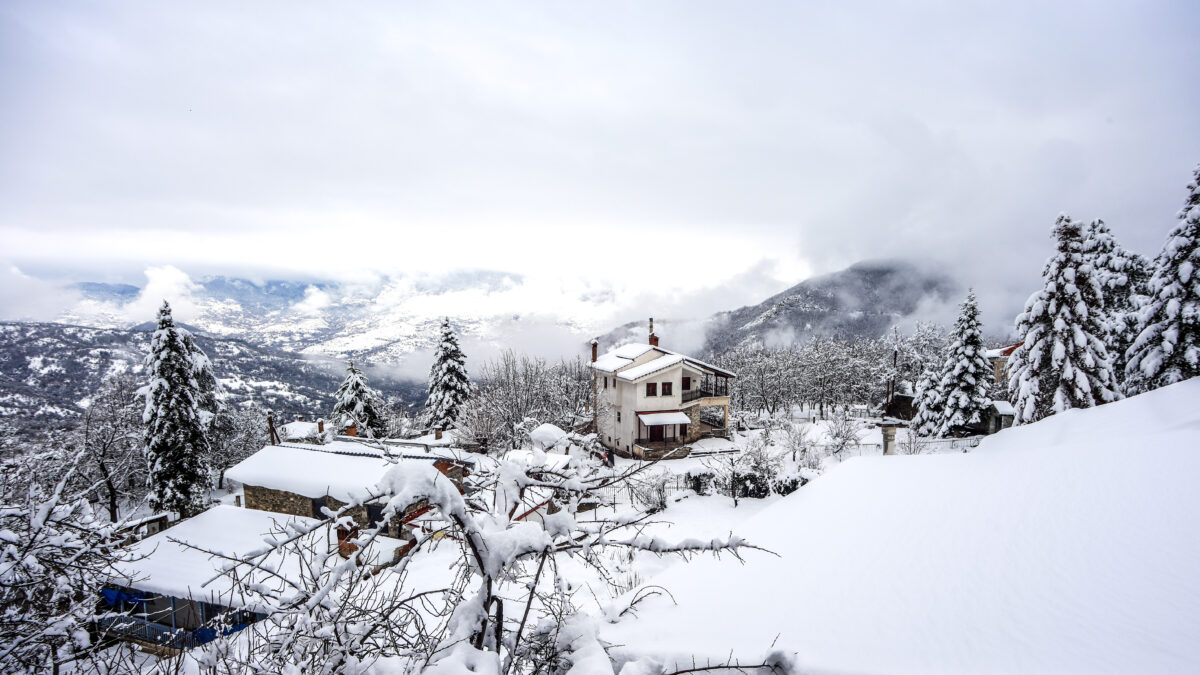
(48, 371)
(863, 300)
(1066, 546)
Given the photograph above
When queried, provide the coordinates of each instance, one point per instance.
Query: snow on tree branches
(175, 434)
(1123, 277)
(1063, 363)
(1167, 348)
(449, 386)
(54, 555)
(966, 374)
(359, 405)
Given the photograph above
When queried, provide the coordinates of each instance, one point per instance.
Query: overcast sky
(737, 146)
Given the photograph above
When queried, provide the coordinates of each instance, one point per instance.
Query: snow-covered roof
(313, 471)
(659, 419)
(1004, 407)
(620, 357)
(1002, 351)
(171, 568)
(293, 430)
(650, 367)
(1081, 578)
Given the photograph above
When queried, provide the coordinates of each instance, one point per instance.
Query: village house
(170, 591)
(999, 360)
(651, 401)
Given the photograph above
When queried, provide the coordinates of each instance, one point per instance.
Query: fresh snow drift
(1068, 545)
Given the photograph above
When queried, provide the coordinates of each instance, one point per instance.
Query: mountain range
(283, 343)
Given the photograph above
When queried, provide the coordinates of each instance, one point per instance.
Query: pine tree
(176, 444)
(449, 386)
(1123, 276)
(966, 374)
(359, 405)
(1062, 363)
(1167, 348)
(202, 370)
(929, 403)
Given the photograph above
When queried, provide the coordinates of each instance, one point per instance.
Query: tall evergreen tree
(1062, 363)
(359, 405)
(1124, 277)
(967, 373)
(929, 403)
(1167, 348)
(208, 398)
(176, 444)
(449, 386)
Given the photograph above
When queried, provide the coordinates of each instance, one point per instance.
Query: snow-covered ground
(1070, 545)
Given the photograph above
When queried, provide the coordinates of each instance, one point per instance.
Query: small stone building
(304, 480)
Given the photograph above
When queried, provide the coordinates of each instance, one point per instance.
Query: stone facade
(278, 501)
(694, 427)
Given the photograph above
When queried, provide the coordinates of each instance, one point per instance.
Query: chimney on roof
(653, 337)
(595, 345)
(299, 418)
(320, 426)
(352, 430)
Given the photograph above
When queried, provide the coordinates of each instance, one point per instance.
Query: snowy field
(1070, 545)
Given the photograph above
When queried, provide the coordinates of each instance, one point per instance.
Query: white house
(651, 400)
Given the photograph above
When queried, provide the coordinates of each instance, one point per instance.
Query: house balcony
(708, 387)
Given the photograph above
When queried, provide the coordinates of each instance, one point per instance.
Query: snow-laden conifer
(967, 373)
(1167, 348)
(449, 386)
(1123, 276)
(929, 403)
(208, 398)
(176, 444)
(1062, 363)
(358, 404)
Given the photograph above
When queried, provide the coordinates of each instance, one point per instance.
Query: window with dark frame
(666, 388)
(687, 384)
(606, 383)
(618, 415)
(652, 389)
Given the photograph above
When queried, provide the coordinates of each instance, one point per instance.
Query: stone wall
(694, 427)
(278, 501)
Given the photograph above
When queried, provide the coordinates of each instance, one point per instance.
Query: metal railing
(144, 630)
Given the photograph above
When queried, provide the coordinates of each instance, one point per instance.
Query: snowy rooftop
(620, 357)
(312, 472)
(658, 419)
(1002, 351)
(651, 367)
(293, 430)
(1004, 407)
(1069, 545)
(171, 568)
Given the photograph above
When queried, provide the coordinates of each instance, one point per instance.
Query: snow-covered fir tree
(206, 379)
(1123, 276)
(359, 405)
(928, 404)
(1167, 348)
(1062, 363)
(175, 434)
(449, 386)
(966, 374)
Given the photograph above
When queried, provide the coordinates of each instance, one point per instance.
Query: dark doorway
(656, 433)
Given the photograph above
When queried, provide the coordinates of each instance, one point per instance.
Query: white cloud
(26, 298)
(167, 283)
